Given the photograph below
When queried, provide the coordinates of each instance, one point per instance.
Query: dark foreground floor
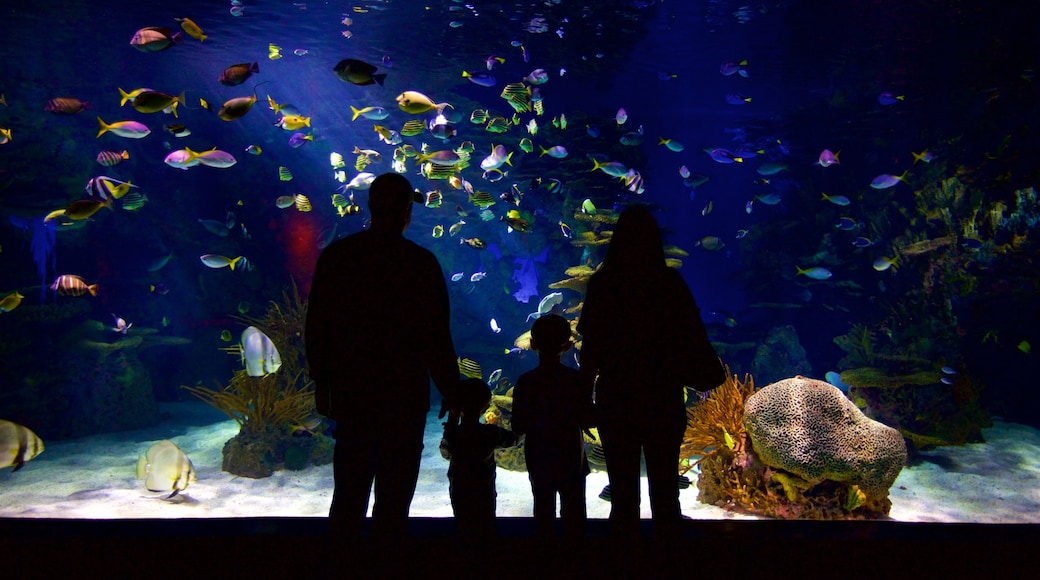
(288, 548)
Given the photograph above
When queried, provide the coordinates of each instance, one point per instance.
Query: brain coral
(809, 428)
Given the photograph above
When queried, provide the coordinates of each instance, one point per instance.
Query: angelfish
(259, 354)
(166, 468)
(18, 444)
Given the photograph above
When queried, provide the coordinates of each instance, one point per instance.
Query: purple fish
(484, 79)
(216, 158)
(885, 180)
(735, 99)
(828, 158)
(720, 155)
(298, 139)
(492, 60)
(730, 68)
(387, 62)
(887, 98)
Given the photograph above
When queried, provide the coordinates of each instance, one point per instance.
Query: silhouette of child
(551, 407)
(470, 448)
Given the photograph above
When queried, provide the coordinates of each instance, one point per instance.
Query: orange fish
(71, 285)
(65, 106)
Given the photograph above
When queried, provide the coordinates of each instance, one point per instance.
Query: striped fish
(110, 158)
(133, 201)
(469, 368)
(481, 199)
(71, 285)
(302, 203)
(65, 106)
(166, 468)
(18, 444)
(413, 128)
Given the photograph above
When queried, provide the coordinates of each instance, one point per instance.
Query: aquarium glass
(849, 193)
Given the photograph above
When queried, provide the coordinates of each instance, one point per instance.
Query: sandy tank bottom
(93, 477)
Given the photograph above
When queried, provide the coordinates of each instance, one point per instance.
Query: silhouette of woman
(642, 341)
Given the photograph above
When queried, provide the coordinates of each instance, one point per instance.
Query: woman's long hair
(636, 244)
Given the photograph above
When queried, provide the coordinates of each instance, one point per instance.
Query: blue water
(813, 78)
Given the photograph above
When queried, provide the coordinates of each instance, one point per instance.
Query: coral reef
(734, 477)
(808, 429)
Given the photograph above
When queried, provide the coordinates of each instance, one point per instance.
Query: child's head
(474, 396)
(551, 335)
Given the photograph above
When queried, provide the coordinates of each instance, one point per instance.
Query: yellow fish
(274, 52)
(125, 97)
(191, 29)
(11, 301)
(469, 368)
(294, 122)
(383, 131)
(84, 208)
(438, 231)
(5, 136)
(284, 174)
(413, 128)
(415, 103)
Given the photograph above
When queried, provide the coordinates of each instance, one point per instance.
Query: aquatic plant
(258, 402)
(281, 399)
(710, 421)
(269, 409)
(858, 344)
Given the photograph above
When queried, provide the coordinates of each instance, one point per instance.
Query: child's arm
(506, 438)
(445, 446)
(519, 420)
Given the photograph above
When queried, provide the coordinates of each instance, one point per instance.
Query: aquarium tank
(850, 194)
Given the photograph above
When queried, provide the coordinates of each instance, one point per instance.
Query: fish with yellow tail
(127, 129)
(72, 285)
(372, 113)
(217, 261)
(18, 444)
(816, 273)
(165, 467)
(414, 102)
(155, 101)
(475, 243)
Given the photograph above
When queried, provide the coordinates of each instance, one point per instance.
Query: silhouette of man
(377, 330)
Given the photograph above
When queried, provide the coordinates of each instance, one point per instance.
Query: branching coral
(712, 420)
